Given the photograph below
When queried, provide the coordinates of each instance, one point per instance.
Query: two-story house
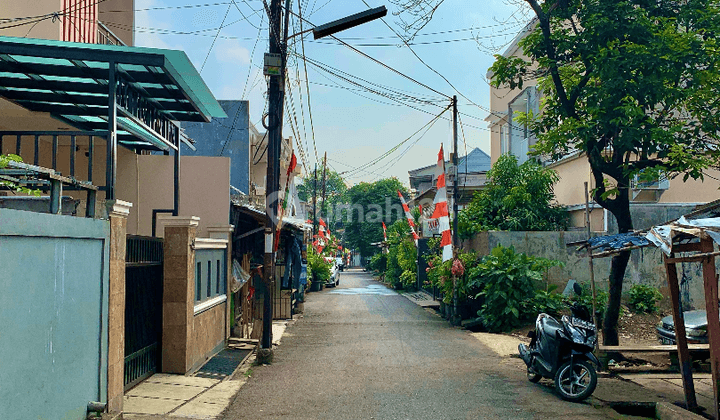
(651, 202)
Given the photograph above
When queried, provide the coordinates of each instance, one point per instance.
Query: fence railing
(106, 36)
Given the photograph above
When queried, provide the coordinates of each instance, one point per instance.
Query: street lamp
(274, 67)
(348, 22)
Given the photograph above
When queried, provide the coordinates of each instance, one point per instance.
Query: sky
(335, 107)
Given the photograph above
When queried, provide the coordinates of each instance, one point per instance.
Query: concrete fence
(645, 266)
(54, 275)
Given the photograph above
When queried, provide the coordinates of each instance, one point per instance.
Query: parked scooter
(563, 351)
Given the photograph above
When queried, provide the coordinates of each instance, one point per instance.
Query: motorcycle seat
(550, 326)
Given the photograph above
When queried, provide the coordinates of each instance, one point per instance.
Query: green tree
(335, 190)
(402, 255)
(11, 185)
(516, 197)
(633, 85)
(368, 205)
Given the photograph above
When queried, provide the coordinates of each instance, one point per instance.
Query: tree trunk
(621, 211)
(612, 313)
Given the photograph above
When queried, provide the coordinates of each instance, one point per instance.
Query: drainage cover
(222, 364)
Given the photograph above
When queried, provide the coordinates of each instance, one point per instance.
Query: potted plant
(318, 270)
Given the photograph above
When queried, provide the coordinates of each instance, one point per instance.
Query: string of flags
(441, 213)
(410, 220)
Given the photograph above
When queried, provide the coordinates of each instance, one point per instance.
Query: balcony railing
(107, 37)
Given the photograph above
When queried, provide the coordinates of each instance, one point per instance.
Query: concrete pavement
(361, 351)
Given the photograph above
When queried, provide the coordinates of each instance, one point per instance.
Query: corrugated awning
(69, 80)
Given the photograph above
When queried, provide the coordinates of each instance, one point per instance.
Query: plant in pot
(450, 275)
(318, 270)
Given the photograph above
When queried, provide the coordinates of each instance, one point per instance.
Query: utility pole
(275, 101)
(323, 209)
(274, 67)
(456, 244)
(456, 195)
(314, 219)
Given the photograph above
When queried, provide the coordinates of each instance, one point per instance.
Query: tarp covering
(662, 236)
(621, 240)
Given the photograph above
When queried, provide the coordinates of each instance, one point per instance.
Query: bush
(506, 282)
(378, 263)
(549, 302)
(585, 300)
(440, 273)
(643, 299)
(318, 268)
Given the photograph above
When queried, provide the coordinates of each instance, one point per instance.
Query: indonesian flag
(284, 204)
(441, 209)
(409, 217)
(322, 228)
(384, 231)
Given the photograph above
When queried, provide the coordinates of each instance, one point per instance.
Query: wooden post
(680, 337)
(590, 260)
(711, 302)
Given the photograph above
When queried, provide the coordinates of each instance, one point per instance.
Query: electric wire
(397, 146)
(252, 55)
(215, 39)
(376, 60)
(307, 85)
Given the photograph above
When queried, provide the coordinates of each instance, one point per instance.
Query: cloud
(230, 51)
(144, 21)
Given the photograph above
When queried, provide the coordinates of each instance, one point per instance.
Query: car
(695, 328)
(340, 263)
(334, 279)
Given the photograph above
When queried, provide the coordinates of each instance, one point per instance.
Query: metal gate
(143, 307)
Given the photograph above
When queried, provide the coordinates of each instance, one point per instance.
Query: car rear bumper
(666, 336)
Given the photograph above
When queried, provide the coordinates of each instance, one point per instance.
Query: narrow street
(361, 351)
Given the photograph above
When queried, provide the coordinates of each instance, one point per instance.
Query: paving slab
(503, 345)
(166, 378)
(166, 391)
(145, 405)
(199, 410)
(221, 393)
(278, 329)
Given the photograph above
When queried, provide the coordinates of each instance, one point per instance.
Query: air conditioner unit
(655, 183)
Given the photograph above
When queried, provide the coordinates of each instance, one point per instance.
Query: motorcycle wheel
(532, 376)
(576, 382)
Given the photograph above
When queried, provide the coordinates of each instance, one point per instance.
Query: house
(652, 201)
(234, 137)
(97, 124)
(229, 137)
(472, 175)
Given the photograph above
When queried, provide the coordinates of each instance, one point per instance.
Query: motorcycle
(563, 351)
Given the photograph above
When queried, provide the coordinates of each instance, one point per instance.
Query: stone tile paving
(167, 396)
(669, 386)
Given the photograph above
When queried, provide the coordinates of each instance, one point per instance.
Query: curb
(667, 411)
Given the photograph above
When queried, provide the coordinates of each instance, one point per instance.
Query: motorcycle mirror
(577, 288)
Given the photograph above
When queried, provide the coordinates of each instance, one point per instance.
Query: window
(504, 139)
(210, 274)
(520, 137)
(217, 287)
(198, 278)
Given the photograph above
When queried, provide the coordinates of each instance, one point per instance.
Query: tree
(12, 185)
(516, 197)
(335, 189)
(401, 268)
(369, 205)
(633, 85)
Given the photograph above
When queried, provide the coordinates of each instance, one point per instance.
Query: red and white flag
(410, 220)
(441, 209)
(384, 231)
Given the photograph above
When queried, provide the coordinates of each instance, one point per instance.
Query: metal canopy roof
(70, 81)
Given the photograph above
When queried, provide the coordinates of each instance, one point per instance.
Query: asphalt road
(361, 351)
